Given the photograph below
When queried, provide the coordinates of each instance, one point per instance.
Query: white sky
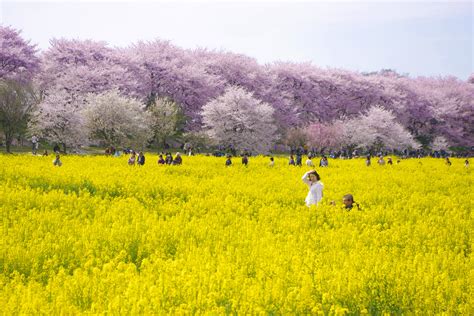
(421, 38)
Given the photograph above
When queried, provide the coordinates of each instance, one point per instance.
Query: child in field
(309, 162)
(272, 162)
(131, 160)
(57, 161)
(228, 162)
(315, 194)
(367, 161)
(323, 162)
(448, 162)
(291, 162)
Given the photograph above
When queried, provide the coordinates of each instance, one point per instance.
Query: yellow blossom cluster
(98, 236)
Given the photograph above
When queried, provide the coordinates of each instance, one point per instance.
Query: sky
(422, 38)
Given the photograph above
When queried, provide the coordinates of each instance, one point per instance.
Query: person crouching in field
(348, 202)
(315, 194)
(161, 161)
(57, 161)
(177, 159)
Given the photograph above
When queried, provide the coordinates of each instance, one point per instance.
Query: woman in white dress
(315, 194)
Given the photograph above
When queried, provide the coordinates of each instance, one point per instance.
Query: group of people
(245, 160)
(134, 159)
(167, 160)
(323, 162)
(311, 178)
(315, 194)
(381, 161)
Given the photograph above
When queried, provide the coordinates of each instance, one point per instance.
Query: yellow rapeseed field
(99, 236)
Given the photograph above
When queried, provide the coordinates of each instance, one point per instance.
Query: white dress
(315, 193)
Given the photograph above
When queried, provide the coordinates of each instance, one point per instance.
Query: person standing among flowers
(272, 162)
(315, 194)
(228, 162)
(57, 161)
(131, 160)
(245, 160)
(141, 159)
(291, 162)
(367, 161)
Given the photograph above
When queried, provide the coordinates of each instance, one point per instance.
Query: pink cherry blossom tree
(58, 119)
(377, 129)
(112, 119)
(18, 60)
(325, 136)
(237, 118)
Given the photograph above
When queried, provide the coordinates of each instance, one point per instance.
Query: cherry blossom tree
(452, 102)
(81, 67)
(58, 119)
(295, 137)
(112, 119)
(377, 129)
(18, 60)
(237, 118)
(439, 143)
(471, 79)
(325, 136)
(300, 93)
(161, 69)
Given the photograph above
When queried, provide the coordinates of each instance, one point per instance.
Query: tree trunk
(8, 143)
(64, 147)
